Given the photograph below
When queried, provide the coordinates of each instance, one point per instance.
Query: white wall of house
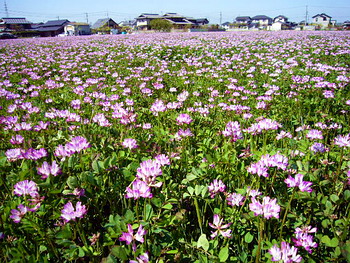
(322, 21)
(277, 26)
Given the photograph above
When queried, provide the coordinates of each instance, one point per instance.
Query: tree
(161, 25)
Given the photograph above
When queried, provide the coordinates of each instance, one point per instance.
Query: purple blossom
(129, 237)
(139, 189)
(233, 130)
(314, 134)
(217, 186)
(303, 239)
(318, 147)
(183, 118)
(158, 106)
(32, 154)
(235, 199)
(342, 140)
(268, 208)
(144, 258)
(286, 253)
(17, 215)
(46, 169)
(130, 143)
(219, 226)
(162, 159)
(148, 171)
(14, 154)
(68, 212)
(26, 187)
(17, 139)
(283, 134)
(304, 186)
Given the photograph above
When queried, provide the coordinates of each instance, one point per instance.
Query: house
(177, 21)
(143, 21)
(323, 20)
(14, 24)
(262, 20)
(128, 23)
(246, 20)
(52, 28)
(280, 18)
(346, 25)
(226, 25)
(77, 29)
(105, 22)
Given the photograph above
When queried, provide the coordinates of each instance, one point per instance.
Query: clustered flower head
(129, 237)
(261, 167)
(30, 154)
(286, 253)
(268, 207)
(297, 181)
(318, 147)
(68, 212)
(303, 239)
(233, 130)
(219, 226)
(46, 169)
(183, 118)
(76, 144)
(263, 125)
(217, 186)
(342, 140)
(130, 143)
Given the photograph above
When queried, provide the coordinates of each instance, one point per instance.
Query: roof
(322, 15)
(145, 15)
(48, 28)
(15, 20)
(226, 24)
(78, 23)
(261, 17)
(179, 21)
(282, 16)
(101, 22)
(243, 18)
(56, 22)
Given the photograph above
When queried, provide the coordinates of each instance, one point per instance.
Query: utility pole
(87, 18)
(107, 14)
(306, 16)
(6, 10)
(220, 18)
(58, 18)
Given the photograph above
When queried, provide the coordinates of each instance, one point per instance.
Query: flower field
(191, 147)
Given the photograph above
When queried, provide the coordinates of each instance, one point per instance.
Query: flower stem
(198, 214)
(261, 234)
(285, 214)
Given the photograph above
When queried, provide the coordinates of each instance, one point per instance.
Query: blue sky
(75, 10)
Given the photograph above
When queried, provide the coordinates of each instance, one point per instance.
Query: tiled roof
(55, 23)
(261, 17)
(48, 28)
(13, 20)
(101, 22)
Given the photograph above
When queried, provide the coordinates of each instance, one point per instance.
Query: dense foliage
(209, 147)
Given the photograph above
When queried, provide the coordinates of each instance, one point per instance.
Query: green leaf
(191, 177)
(334, 198)
(167, 206)
(223, 254)
(129, 216)
(248, 238)
(149, 212)
(119, 252)
(203, 242)
(72, 182)
(190, 190)
(81, 252)
(330, 242)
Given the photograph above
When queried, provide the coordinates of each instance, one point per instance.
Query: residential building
(262, 20)
(323, 20)
(143, 20)
(77, 29)
(105, 22)
(246, 20)
(280, 18)
(52, 28)
(14, 24)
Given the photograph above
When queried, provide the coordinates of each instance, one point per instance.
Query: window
(325, 19)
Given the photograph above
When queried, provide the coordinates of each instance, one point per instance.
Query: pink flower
(286, 253)
(68, 212)
(46, 170)
(139, 189)
(268, 208)
(183, 118)
(216, 187)
(144, 258)
(129, 237)
(235, 199)
(26, 187)
(217, 224)
(130, 143)
(304, 186)
(342, 140)
(148, 172)
(233, 130)
(17, 215)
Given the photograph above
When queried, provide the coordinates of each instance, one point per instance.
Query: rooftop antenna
(87, 18)
(6, 10)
